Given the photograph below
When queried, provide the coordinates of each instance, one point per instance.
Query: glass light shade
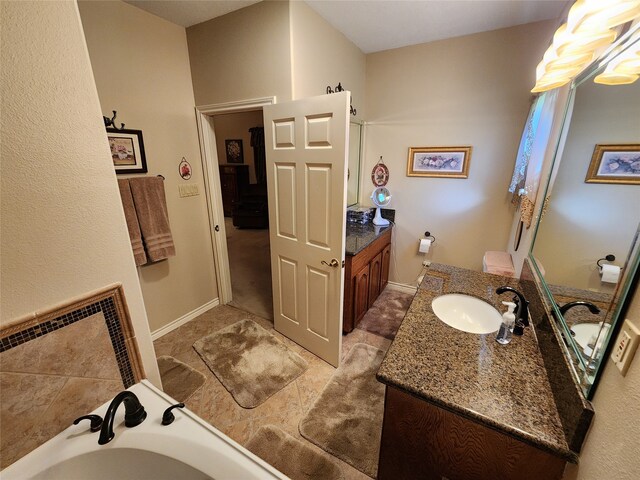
(555, 62)
(614, 78)
(629, 66)
(573, 44)
(614, 14)
(557, 73)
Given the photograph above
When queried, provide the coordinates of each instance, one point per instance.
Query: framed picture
(127, 150)
(234, 151)
(451, 162)
(615, 163)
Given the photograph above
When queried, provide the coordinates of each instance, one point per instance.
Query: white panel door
(307, 156)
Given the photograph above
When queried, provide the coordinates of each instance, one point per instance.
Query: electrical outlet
(426, 263)
(625, 347)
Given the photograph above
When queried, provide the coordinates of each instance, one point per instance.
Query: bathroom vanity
(368, 252)
(460, 405)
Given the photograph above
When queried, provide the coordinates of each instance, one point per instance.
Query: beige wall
(141, 67)
(612, 448)
(62, 234)
(244, 54)
(237, 125)
(471, 90)
(586, 221)
(321, 56)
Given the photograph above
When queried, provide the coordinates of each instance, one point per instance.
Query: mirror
(355, 152)
(586, 221)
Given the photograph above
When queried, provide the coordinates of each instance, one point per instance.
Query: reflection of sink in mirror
(467, 313)
(586, 336)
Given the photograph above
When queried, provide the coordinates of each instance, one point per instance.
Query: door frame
(211, 174)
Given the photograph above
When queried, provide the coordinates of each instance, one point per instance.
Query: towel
(151, 207)
(132, 222)
(498, 263)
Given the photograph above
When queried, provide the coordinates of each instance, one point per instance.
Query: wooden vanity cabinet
(422, 440)
(366, 274)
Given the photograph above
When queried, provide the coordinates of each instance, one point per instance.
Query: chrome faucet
(134, 415)
(521, 311)
(567, 306)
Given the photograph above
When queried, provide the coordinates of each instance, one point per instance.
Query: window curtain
(525, 182)
(259, 157)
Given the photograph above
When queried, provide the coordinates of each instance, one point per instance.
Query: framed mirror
(593, 212)
(356, 128)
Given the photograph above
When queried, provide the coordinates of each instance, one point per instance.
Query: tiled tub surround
(59, 364)
(504, 387)
(575, 411)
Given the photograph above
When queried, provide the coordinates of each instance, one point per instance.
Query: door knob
(333, 263)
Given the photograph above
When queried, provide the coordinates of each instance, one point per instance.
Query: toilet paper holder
(608, 258)
(428, 235)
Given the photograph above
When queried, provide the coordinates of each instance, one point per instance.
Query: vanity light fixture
(579, 41)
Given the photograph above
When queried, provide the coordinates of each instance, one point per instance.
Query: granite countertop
(502, 386)
(359, 236)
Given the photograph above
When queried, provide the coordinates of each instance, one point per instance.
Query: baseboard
(184, 319)
(402, 287)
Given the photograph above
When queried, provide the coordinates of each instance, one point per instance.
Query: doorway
(232, 144)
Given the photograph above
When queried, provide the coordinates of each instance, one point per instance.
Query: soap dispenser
(508, 321)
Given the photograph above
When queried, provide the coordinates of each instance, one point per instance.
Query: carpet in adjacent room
(179, 380)
(386, 314)
(346, 419)
(250, 362)
(290, 456)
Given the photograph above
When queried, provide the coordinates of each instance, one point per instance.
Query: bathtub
(188, 449)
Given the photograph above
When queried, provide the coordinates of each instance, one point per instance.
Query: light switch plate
(625, 347)
(188, 190)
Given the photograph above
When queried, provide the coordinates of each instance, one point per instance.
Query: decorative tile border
(110, 301)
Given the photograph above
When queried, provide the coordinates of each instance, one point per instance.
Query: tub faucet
(134, 415)
(567, 306)
(521, 311)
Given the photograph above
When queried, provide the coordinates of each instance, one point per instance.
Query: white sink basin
(467, 313)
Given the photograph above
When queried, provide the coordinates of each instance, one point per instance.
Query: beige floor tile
(215, 404)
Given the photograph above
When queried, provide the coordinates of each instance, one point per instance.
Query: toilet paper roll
(610, 273)
(425, 245)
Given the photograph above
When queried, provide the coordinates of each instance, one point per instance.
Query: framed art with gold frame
(615, 163)
(449, 162)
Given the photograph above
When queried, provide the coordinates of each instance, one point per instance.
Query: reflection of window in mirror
(586, 221)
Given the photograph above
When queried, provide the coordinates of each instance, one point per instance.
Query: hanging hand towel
(132, 222)
(151, 207)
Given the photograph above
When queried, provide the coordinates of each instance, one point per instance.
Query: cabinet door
(374, 278)
(384, 270)
(360, 294)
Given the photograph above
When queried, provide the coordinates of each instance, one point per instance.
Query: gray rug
(346, 419)
(292, 457)
(179, 380)
(251, 363)
(386, 314)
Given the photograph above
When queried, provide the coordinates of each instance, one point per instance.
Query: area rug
(292, 457)
(386, 314)
(251, 363)
(179, 380)
(346, 419)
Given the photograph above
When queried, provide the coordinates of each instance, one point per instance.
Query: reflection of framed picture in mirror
(613, 163)
(127, 150)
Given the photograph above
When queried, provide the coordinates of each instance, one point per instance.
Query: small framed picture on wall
(127, 150)
(234, 151)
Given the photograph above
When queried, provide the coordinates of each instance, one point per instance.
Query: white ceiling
(375, 25)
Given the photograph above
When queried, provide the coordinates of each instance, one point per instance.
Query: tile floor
(284, 409)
